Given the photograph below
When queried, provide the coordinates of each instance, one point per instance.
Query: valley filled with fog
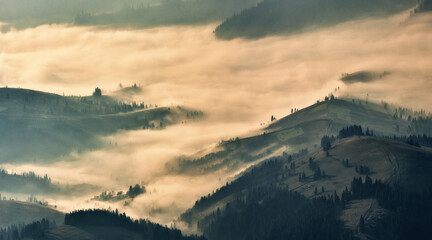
(237, 84)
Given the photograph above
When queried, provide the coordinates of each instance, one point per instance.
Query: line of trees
(415, 140)
(132, 192)
(354, 130)
(26, 182)
(101, 217)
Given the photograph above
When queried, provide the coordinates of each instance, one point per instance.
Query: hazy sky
(238, 83)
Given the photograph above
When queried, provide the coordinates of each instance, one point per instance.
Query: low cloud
(238, 84)
(362, 77)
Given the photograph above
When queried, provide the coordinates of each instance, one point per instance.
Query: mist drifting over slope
(238, 84)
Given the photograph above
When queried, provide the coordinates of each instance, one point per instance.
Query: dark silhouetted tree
(97, 92)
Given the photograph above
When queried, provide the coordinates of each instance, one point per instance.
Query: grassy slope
(37, 126)
(302, 129)
(388, 160)
(15, 212)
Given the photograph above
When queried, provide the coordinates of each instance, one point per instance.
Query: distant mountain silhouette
(277, 17)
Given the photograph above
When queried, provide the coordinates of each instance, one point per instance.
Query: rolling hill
(39, 127)
(321, 175)
(17, 212)
(302, 130)
(31, 183)
(288, 157)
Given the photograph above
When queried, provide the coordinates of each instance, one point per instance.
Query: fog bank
(238, 84)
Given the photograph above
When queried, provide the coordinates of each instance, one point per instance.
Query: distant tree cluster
(35, 230)
(326, 143)
(420, 122)
(103, 105)
(133, 192)
(100, 217)
(330, 97)
(97, 92)
(351, 131)
(421, 125)
(194, 114)
(33, 199)
(28, 181)
(415, 140)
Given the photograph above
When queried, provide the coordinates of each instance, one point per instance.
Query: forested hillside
(328, 171)
(276, 17)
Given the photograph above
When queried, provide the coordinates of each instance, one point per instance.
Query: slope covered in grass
(17, 212)
(38, 126)
(303, 129)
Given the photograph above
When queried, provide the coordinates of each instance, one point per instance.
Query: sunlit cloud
(238, 84)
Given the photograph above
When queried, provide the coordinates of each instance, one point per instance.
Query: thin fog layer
(235, 80)
(239, 84)
(140, 157)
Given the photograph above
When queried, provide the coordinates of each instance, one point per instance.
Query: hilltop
(301, 132)
(18, 212)
(39, 126)
(31, 183)
(289, 162)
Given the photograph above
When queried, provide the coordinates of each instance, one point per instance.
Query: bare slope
(16, 212)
